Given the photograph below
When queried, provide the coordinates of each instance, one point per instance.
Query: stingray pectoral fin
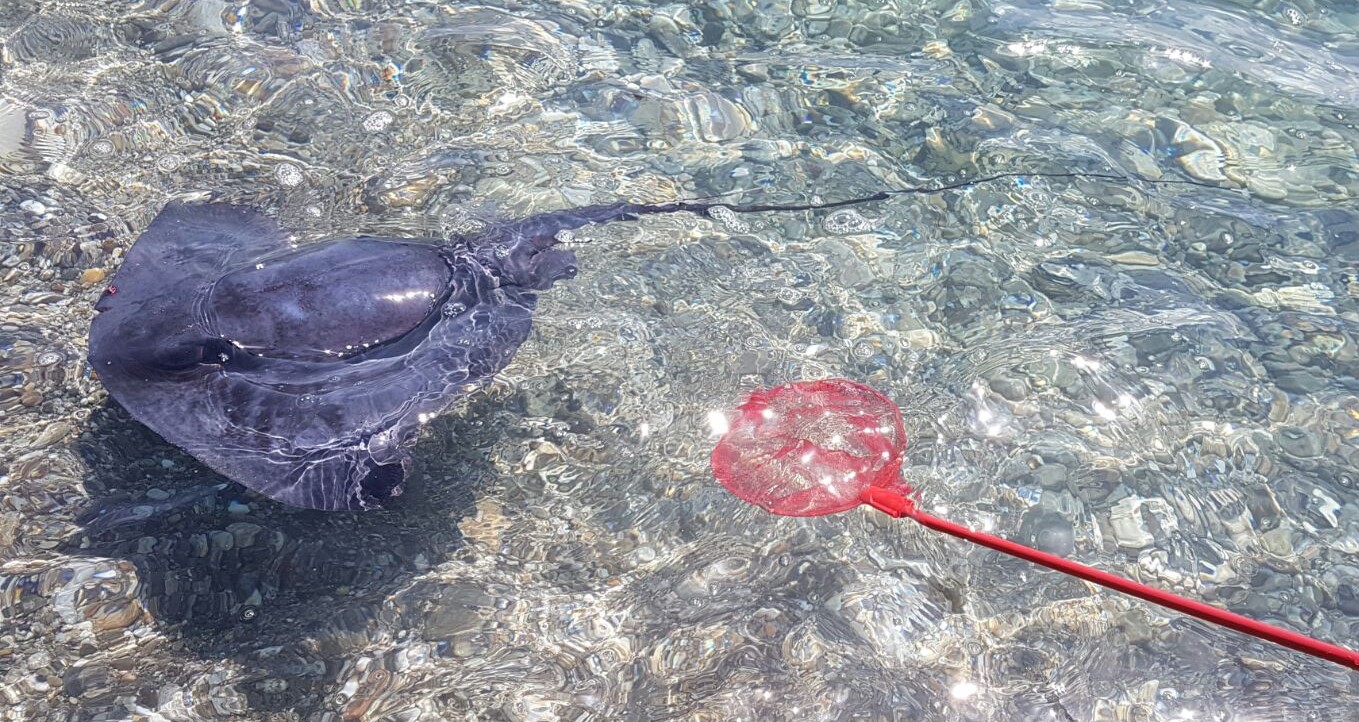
(333, 478)
(214, 236)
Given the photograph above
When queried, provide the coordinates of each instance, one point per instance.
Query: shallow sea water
(1159, 380)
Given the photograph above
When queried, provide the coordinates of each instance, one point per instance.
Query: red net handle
(894, 503)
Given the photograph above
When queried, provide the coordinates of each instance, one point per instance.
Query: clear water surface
(1157, 380)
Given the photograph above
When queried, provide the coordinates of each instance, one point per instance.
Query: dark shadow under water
(288, 594)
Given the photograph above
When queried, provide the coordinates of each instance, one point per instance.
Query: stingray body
(306, 373)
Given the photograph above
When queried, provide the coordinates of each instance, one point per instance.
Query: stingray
(306, 373)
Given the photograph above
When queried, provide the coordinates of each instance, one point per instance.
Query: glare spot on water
(846, 220)
(718, 423)
(1027, 48)
(963, 690)
(169, 163)
(288, 175)
(1086, 364)
(377, 121)
(728, 218)
(406, 296)
(1184, 57)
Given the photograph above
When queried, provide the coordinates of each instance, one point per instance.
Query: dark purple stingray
(306, 373)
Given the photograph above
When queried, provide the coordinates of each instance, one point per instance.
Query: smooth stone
(922, 338)
(222, 540)
(54, 432)
(244, 533)
(1048, 531)
(1051, 476)
(1012, 388)
(1347, 599)
(1125, 520)
(1298, 442)
(458, 612)
(198, 545)
(1300, 381)
(273, 685)
(1278, 542)
(118, 614)
(1135, 258)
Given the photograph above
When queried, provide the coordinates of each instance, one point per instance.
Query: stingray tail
(547, 230)
(705, 207)
(531, 260)
(543, 232)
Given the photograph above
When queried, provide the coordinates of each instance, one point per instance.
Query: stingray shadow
(225, 572)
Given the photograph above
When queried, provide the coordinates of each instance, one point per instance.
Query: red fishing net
(811, 448)
(821, 447)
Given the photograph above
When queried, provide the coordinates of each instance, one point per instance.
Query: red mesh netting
(810, 448)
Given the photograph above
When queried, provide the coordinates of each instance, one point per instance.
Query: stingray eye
(218, 351)
(182, 356)
(179, 356)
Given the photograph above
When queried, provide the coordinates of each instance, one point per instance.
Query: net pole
(897, 505)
